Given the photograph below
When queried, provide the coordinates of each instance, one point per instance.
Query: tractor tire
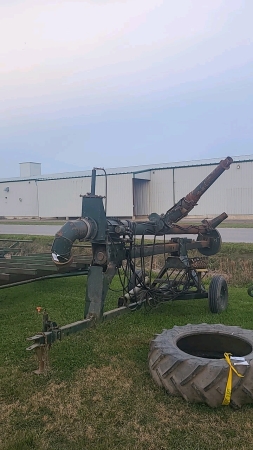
(250, 291)
(218, 294)
(188, 361)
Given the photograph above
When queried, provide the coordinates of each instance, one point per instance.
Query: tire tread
(198, 379)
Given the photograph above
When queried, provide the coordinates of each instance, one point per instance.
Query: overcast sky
(124, 82)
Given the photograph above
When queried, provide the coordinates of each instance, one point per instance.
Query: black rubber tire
(250, 291)
(218, 294)
(200, 374)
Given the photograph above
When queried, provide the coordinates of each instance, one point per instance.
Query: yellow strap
(228, 391)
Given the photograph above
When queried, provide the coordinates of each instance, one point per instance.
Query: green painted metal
(7, 277)
(48, 337)
(24, 269)
(109, 237)
(92, 206)
(113, 241)
(97, 287)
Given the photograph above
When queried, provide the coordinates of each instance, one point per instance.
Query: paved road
(39, 230)
(227, 234)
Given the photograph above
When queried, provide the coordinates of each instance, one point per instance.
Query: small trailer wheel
(218, 294)
(250, 291)
(134, 279)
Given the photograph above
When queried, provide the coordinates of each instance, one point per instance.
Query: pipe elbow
(84, 229)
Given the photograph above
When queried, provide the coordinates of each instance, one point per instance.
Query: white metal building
(131, 191)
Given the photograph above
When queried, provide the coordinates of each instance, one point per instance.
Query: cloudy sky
(124, 82)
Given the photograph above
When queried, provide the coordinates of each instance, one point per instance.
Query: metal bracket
(41, 351)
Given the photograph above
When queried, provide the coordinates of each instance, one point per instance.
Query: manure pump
(124, 247)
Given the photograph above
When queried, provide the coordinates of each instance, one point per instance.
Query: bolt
(100, 256)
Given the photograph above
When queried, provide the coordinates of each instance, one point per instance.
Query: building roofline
(128, 170)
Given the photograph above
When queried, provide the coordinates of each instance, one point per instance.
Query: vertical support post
(93, 182)
(44, 321)
(42, 355)
(97, 287)
(173, 186)
(94, 293)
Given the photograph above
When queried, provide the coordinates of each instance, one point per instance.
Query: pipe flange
(92, 228)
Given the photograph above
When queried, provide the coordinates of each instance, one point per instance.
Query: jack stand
(43, 360)
(42, 349)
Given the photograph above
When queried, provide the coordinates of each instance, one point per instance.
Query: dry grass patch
(118, 406)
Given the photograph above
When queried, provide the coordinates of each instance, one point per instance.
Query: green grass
(228, 249)
(98, 394)
(227, 224)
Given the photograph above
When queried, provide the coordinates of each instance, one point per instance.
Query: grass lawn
(231, 224)
(98, 394)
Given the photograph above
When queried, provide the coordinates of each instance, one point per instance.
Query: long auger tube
(99, 227)
(187, 203)
(159, 229)
(81, 229)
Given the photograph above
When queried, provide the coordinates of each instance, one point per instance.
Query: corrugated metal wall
(61, 198)
(119, 194)
(239, 192)
(161, 190)
(231, 193)
(19, 199)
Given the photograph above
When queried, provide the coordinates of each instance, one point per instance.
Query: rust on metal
(198, 229)
(195, 195)
(187, 203)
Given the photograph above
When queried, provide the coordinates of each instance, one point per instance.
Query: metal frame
(114, 241)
